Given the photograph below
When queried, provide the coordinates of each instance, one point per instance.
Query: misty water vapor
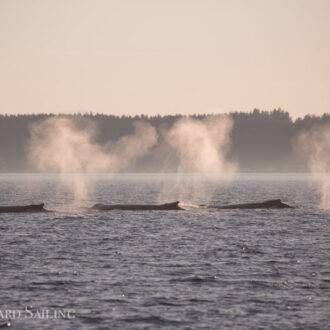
(201, 147)
(61, 145)
(314, 146)
(70, 148)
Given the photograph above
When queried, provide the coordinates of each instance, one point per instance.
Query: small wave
(195, 279)
(116, 301)
(152, 320)
(198, 301)
(162, 301)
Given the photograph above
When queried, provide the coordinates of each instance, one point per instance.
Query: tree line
(261, 141)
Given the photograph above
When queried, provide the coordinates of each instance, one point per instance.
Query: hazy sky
(169, 56)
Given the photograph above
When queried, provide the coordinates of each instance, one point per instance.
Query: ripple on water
(191, 269)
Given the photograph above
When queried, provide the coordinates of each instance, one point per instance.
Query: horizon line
(93, 113)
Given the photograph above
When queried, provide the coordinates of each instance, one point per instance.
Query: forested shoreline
(261, 141)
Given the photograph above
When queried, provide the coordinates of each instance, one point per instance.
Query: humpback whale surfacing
(271, 204)
(24, 208)
(137, 207)
(274, 203)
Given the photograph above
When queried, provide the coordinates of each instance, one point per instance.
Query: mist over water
(59, 145)
(64, 146)
(314, 146)
(69, 147)
(201, 147)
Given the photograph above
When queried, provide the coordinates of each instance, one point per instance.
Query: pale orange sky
(159, 57)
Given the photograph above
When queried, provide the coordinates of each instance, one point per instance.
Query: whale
(270, 204)
(137, 207)
(23, 208)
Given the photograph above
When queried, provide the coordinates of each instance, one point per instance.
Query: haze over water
(197, 268)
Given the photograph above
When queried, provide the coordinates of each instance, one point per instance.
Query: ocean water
(200, 268)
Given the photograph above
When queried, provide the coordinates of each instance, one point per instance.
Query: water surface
(192, 269)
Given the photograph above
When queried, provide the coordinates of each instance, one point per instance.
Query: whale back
(276, 203)
(138, 207)
(22, 208)
(273, 203)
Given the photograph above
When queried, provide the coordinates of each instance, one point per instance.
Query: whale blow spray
(314, 145)
(201, 147)
(68, 147)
